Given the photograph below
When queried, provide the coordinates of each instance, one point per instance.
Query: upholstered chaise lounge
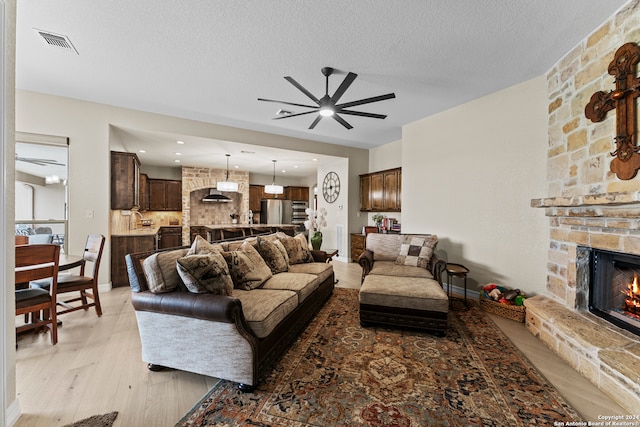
(402, 282)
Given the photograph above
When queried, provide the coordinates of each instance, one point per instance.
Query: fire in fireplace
(614, 291)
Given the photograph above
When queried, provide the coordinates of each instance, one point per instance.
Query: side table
(456, 270)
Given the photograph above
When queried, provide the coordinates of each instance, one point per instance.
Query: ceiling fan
(328, 106)
(39, 162)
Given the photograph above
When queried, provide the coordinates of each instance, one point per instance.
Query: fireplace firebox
(614, 288)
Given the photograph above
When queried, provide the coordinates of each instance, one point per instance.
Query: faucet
(141, 218)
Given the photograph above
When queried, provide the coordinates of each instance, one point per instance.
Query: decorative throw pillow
(201, 246)
(272, 256)
(205, 273)
(297, 248)
(160, 271)
(282, 250)
(247, 268)
(418, 251)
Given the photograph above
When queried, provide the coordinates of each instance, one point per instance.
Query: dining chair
(35, 262)
(86, 285)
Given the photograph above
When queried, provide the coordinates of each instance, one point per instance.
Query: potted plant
(234, 218)
(377, 219)
(314, 223)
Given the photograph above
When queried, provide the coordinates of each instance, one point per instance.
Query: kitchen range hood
(216, 196)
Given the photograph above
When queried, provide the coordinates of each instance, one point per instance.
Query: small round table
(456, 270)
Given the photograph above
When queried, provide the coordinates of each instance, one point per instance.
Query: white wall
(49, 201)
(469, 174)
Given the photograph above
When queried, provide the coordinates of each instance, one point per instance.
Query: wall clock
(331, 187)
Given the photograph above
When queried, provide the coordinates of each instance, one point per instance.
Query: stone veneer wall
(589, 206)
(582, 192)
(199, 181)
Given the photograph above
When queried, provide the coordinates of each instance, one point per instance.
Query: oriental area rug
(338, 373)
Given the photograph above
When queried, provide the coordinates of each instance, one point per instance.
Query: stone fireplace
(589, 210)
(600, 349)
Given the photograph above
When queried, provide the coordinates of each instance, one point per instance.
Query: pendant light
(227, 185)
(273, 188)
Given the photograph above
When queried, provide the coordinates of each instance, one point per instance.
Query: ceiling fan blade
(342, 121)
(366, 100)
(315, 122)
(344, 86)
(286, 116)
(362, 114)
(288, 103)
(302, 89)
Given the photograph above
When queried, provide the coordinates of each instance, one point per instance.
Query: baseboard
(459, 291)
(104, 287)
(13, 413)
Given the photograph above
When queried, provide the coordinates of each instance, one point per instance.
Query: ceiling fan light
(326, 111)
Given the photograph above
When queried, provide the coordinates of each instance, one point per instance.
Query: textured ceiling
(210, 60)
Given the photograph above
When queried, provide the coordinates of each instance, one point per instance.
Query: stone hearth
(605, 354)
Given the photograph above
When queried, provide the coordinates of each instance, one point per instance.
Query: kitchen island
(225, 231)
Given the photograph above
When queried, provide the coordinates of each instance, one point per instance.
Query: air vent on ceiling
(57, 40)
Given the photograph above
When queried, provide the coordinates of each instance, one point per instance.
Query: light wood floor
(96, 368)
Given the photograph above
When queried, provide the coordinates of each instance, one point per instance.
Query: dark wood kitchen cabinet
(169, 237)
(381, 191)
(144, 192)
(255, 196)
(125, 180)
(165, 195)
(122, 245)
(297, 193)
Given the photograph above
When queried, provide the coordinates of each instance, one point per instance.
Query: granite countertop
(144, 231)
(240, 226)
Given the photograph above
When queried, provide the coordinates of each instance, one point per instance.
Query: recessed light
(236, 166)
(177, 161)
(284, 171)
(315, 160)
(142, 151)
(180, 142)
(178, 154)
(295, 166)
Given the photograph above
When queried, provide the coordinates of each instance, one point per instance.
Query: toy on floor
(503, 295)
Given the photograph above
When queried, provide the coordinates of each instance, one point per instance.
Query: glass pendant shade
(273, 188)
(227, 185)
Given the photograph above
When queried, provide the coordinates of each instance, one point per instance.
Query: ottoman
(404, 301)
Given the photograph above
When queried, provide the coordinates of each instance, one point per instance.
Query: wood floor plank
(96, 368)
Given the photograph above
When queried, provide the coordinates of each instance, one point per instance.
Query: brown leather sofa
(230, 337)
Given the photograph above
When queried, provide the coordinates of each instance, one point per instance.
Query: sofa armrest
(366, 262)
(319, 256)
(218, 308)
(438, 265)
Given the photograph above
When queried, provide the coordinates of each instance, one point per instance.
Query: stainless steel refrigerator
(274, 211)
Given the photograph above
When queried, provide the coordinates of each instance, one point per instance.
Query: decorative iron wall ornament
(623, 99)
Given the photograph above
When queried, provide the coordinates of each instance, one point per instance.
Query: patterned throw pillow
(205, 273)
(418, 251)
(297, 248)
(272, 256)
(247, 268)
(201, 246)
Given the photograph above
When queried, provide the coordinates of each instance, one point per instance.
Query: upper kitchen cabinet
(165, 195)
(144, 192)
(255, 195)
(125, 180)
(297, 193)
(381, 191)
